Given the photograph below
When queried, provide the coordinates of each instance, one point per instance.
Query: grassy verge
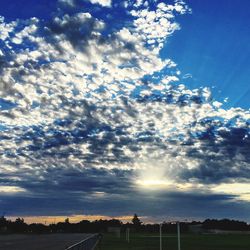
(142, 241)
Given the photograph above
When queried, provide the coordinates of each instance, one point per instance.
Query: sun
(152, 177)
(153, 183)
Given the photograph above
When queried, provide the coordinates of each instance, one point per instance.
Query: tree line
(101, 226)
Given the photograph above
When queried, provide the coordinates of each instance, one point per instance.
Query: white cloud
(239, 189)
(104, 3)
(5, 28)
(154, 26)
(70, 3)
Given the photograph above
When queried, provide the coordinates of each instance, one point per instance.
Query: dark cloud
(224, 153)
(78, 29)
(161, 206)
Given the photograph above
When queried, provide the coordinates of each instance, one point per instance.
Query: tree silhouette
(136, 221)
(101, 226)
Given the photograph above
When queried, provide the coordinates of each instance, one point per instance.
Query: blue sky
(24, 9)
(116, 107)
(213, 46)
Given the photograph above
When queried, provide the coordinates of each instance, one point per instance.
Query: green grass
(188, 242)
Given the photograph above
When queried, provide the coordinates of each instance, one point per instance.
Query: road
(39, 242)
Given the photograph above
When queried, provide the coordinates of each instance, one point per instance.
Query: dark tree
(136, 221)
(19, 226)
(3, 221)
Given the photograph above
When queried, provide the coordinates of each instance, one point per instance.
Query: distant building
(218, 231)
(115, 230)
(197, 228)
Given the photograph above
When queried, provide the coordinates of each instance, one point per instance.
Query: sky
(110, 108)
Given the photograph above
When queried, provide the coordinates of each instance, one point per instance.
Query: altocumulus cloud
(93, 119)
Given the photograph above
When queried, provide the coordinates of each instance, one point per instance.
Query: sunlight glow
(153, 183)
(75, 218)
(11, 189)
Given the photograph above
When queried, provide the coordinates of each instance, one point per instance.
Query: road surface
(39, 242)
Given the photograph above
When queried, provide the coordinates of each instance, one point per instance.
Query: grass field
(188, 242)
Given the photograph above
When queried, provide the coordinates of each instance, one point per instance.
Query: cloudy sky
(114, 107)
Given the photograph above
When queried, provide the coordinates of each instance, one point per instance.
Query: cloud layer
(89, 107)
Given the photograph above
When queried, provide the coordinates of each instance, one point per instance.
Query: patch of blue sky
(213, 46)
(101, 89)
(128, 64)
(35, 105)
(3, 128)
(25, 9)
(62, 122)
(6, 105)
(42, 61)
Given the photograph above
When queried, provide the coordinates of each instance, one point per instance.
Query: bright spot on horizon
(153, 183)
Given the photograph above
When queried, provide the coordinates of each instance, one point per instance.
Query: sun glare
(153, 183)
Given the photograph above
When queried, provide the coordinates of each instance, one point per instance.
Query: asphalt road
(39, 242)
